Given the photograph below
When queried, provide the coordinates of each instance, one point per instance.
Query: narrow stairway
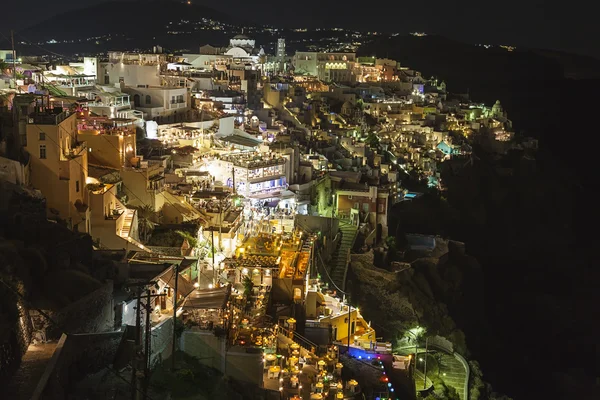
(339, 263)
(24, 382)
(125, 231)
(126, 228)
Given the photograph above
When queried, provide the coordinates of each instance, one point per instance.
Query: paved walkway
(453, 373)
(33, 365)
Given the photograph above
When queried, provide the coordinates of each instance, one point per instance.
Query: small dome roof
(241, 37)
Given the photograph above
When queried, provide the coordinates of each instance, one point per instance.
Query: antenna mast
(14, 56)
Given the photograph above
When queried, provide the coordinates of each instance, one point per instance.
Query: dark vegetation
(526, 221)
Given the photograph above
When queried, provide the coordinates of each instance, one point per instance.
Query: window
(366, 207)
(42, 151)
(148, 99)
(172, 99)
(77, 186)
(42, 136)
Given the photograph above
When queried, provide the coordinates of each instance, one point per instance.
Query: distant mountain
(154, 20)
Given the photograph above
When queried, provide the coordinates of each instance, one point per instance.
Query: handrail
(427, 380)
(328, 276)
(299, 336)
(464, 363)
(348, 258)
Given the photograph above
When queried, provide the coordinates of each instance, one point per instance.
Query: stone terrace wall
(92, 313)
(14, 341)
(161, 344)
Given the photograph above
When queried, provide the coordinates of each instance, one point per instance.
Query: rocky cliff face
(436, 291)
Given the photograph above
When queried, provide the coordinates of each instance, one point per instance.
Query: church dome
(241, 37)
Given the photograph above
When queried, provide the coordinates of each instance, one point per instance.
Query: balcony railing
(48, 118)
(177, 105)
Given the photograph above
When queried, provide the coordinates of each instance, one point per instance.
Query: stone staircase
(127, 222)
(339, 264)
(125, 231)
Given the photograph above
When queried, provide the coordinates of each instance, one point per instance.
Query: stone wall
(244, 365)
(92, 313)
(161, 344)
(241, 363)
(205, 346)
(14, 340)
(442, 343)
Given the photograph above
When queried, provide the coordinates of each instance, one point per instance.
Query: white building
(159, 101)
(334, 67)
(254, 175)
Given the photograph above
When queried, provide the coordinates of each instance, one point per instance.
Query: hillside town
(179, 213)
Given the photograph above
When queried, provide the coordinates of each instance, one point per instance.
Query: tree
(189, 237)
(146, 218)
(372, 140)
(248, 286)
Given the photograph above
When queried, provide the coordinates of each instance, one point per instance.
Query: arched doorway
(136, 100)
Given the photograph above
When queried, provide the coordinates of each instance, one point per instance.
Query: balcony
(174, 106)
(265, 176)
(117, 105)
(48, 117)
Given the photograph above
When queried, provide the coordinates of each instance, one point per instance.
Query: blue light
(369, 357)
(392, 389)
(360, 357)
(389, 385)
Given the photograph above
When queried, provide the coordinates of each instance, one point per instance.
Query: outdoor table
(270, 357)
(321, 364)
(295, 353)
(294, 346)
(293, 360)
(352, 385)
(274, 372)
(294, 381)
(319, 387)
(316, 396)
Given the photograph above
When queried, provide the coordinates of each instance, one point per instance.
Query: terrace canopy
(205, 299)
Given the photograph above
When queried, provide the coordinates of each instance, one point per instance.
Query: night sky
(568, 26)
